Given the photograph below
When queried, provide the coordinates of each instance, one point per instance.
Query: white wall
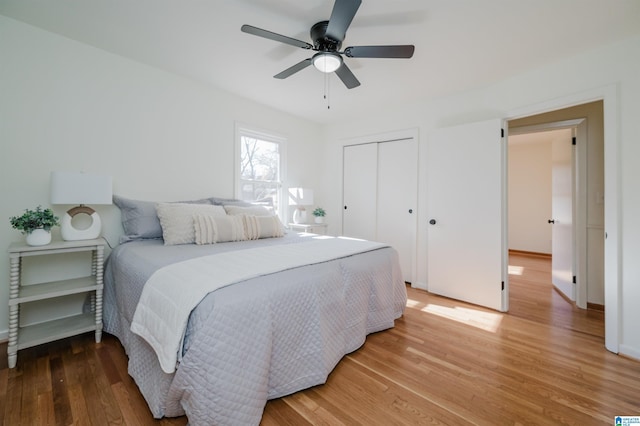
(572, 78)
(69, 106)
(529, 195)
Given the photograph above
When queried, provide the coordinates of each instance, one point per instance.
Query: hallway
(533, 297)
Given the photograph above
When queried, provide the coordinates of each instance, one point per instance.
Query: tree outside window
(260, 177)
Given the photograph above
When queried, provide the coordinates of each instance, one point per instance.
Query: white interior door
(398, 199)
(562, 240)
(466, 241)
(360, 164)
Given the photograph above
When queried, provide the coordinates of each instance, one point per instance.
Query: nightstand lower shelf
(49, 331)
(30, 293)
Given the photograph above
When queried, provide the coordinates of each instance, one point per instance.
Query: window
(260, 171)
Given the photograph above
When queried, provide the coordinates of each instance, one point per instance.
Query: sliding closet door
(465, 243)
(360, 169)
(397, 199)
(380, 196)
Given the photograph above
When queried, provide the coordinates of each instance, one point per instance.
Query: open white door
(562, 240)
(466, 207)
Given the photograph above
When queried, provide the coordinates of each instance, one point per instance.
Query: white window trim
(242, 129)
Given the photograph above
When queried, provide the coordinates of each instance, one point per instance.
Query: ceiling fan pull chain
(327, 90)
(325, 87)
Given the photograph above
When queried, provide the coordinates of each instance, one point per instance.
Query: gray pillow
(140, 219)
(228, 201)
(216, 201)
(251, 210)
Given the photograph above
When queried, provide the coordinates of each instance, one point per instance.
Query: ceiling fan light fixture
(327, 61)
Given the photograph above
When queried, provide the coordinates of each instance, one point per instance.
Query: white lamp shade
(300, 197)
(80, 188)
(327, 62)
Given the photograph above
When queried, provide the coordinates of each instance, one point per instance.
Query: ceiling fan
(327, 37)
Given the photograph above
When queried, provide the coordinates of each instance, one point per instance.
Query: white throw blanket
(173, 291)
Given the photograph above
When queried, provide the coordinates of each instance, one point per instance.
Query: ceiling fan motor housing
(321, 42)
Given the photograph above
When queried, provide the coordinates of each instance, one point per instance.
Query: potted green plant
(36, 224)
(319, 214)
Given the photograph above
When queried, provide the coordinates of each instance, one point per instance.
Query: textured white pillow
(176, 220)
(262, 227)
(211, 229)
(252, 210)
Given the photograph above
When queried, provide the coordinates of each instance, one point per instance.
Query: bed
(257, 337)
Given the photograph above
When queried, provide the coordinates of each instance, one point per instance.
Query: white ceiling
(460, 44)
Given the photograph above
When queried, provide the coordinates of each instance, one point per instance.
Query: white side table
(313, 228)
(25, 337)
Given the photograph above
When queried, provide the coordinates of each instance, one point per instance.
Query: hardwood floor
(445, 362)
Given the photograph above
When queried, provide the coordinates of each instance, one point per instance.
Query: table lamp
(80, 188)
(300, 197)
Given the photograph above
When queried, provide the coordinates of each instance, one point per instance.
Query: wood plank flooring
(445, 362)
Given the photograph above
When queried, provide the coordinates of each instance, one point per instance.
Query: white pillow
(212, 229)
(176, 220)
(252, 210)
(262, 227)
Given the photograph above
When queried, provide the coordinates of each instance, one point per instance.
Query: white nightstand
(24, 337)
(313, 228)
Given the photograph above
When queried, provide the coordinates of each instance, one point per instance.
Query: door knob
(410, 211)
(432, 221)
(551, 221)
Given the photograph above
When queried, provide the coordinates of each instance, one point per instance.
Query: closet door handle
(432, 221)
(410, 211)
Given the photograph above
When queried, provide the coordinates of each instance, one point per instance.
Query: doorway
(578, 257)
(602, 247)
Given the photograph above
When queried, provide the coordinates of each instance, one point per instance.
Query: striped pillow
(262, 227)
(210, 229)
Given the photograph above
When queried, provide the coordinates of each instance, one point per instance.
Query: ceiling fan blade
(274, 36)
(294, 69)
(347, 76)
(341, 17)
(403, 51)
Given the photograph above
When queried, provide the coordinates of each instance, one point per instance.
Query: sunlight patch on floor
(487, 321)
(414, 304)
(516, 270)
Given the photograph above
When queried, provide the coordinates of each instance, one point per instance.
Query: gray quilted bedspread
(255, 340)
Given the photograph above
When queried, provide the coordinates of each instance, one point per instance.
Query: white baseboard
(420, 285)
(627, 350)
(4, 336)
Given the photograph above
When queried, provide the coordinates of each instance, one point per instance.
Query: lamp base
(300, 215)
(70, 233)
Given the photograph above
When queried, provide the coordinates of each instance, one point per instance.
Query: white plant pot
(39, 237)
(319, 219)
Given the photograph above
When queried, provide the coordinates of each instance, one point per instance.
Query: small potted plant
(36, 224)
(319, 214)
